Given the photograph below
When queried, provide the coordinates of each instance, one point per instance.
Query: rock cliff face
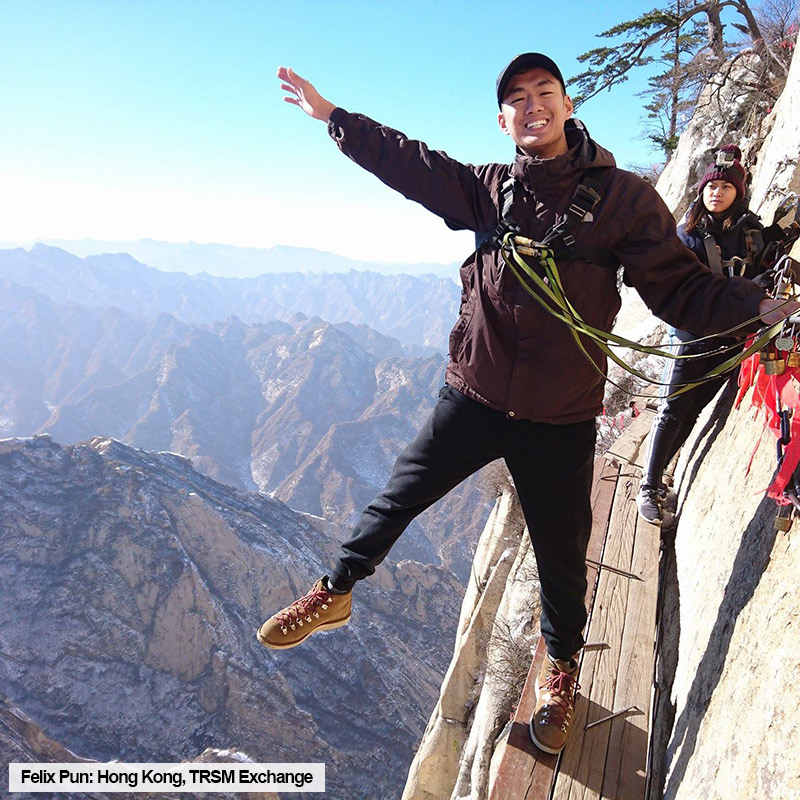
(727, 723)
(718, 119)
(130, 590)
(777, 172)
(22, 740)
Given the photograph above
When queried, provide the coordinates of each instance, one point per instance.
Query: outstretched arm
(300, 92)
(458, 193)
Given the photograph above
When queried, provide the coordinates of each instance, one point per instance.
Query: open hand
(302, 93)
(772, 310)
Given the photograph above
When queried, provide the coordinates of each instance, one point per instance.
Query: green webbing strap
(558, 296)
(552, 288)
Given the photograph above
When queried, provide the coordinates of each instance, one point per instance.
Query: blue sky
(135, 119)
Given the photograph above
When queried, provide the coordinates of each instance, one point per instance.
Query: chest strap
(559, 238)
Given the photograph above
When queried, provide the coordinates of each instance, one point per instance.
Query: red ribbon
(767, 389)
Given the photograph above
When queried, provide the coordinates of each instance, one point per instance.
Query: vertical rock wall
(777, 172)
(727, 723)
(495, 634)
(718, 118)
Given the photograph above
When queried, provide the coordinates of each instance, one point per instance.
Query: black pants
(552, 470)
(677, 415)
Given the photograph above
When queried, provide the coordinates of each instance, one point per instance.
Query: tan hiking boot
(319, 610)
(556, 686)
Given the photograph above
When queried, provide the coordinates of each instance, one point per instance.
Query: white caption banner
(116, 777)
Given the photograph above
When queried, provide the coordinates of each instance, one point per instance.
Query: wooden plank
(628, 448)
(525, 772)
(582, 766)
(626, 764)
(603, 490)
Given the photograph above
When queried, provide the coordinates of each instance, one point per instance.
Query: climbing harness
(543, 282)
(559, 238)
(735, 266)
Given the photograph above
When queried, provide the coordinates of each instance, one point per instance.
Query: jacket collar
(583, 153)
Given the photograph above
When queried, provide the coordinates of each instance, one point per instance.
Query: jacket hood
(550, 179)
(583, 151)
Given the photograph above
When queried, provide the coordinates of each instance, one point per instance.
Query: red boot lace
(562, 687)
(303, 608)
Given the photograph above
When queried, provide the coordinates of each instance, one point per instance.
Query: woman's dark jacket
(745, 234)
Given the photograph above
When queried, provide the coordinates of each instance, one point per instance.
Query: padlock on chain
(774, 363)
(782, 524)
(793, 354)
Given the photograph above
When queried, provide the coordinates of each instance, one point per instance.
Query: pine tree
(674, 91)
(687, 38)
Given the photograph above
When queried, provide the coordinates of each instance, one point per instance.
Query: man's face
(533, 113)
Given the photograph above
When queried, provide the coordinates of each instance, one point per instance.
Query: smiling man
(534, 108)
(517, 387)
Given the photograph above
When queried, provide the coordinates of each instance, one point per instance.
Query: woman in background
(728, 238)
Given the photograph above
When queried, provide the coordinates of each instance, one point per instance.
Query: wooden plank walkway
(603, 759)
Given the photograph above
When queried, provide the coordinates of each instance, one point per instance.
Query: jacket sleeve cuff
(335, 116)
(750, 307)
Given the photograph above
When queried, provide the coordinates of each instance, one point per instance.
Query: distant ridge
(416, 309)
(227, 261)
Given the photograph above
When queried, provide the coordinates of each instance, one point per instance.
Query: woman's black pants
(551, 466)
(677, 415)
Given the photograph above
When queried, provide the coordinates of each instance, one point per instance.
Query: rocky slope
(22, 740)
(312, 412)
(130, 589)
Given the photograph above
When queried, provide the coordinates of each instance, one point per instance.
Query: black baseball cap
(526, 61)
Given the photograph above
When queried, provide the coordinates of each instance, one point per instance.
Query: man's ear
(568, 105)
(501, 120)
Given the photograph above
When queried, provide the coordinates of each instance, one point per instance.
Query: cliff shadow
(668, 634)
(668, 617)
(708, 434)
(749, 565)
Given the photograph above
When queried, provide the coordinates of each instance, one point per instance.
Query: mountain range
(311, 412)
(227, 261)
(130, 590)
(417, 310)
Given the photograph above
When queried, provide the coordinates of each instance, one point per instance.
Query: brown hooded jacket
(505, 350)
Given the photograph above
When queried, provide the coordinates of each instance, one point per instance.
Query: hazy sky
(127, 119)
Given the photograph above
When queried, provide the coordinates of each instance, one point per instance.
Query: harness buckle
(584, 200)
